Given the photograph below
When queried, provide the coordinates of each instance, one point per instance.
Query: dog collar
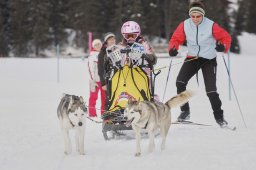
(71, 123)
(70, 120)
(146, 125)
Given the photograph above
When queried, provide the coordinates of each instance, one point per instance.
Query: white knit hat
(108, 35)
(95, 42)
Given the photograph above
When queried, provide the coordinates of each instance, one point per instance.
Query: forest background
(29, 27)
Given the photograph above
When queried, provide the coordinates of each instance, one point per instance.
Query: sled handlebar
(126, 50)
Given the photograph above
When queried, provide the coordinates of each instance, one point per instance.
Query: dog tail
(180, 99)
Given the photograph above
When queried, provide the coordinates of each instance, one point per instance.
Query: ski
(186, 122)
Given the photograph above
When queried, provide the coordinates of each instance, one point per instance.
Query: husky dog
(151, 116)
(72, 115)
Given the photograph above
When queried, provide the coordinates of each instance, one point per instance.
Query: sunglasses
(130, 36)
(196, 16)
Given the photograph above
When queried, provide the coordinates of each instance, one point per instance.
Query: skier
(201, 35)
(95, 85)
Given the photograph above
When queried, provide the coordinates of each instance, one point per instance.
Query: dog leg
(163, 135)
(77, 140)
(67, 142)
(164, 132)
(138, 138)
(151, 141)
(81, 141)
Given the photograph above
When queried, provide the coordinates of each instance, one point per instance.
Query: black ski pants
(209, 69)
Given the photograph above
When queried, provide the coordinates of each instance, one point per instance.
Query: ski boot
(184, 115)
(222, 123)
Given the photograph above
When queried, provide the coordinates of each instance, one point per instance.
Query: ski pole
(167, 79)
(234, 91)
(58, 62)
(229, 85)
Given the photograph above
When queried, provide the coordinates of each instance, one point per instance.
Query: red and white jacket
(93, 66)
(201, 39)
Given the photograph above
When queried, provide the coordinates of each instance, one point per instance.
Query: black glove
(220, 47)
(173, 52)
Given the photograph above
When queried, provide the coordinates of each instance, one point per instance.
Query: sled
(126, 80)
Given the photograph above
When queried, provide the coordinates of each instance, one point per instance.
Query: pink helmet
(130, 30)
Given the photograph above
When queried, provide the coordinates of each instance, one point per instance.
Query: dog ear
(138, 101)
(70, 102)
(133, 101)
(63, 95)
(140, 111)
(130, 100)
(81, 99)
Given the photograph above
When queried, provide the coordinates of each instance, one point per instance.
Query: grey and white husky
(152, 116)
(72, 115)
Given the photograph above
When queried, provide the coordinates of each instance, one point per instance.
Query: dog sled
(129, 75)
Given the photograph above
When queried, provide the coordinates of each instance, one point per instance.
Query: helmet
(130, 30)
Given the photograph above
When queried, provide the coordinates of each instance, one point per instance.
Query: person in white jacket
(95, 85)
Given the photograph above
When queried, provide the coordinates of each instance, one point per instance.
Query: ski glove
(151, 58)
(220, 47)
(173, 52)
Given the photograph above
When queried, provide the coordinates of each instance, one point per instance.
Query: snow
(30, 137)
(247, 40)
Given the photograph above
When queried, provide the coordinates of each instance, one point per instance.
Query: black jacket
(101, 62)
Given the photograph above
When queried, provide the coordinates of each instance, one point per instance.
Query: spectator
(95, 85)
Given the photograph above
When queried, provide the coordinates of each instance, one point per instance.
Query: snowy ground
(30, 137)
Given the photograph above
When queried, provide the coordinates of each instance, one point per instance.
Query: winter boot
(184, 115)
(222, 123)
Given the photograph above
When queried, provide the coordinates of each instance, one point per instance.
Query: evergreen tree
(235, 43)
(116, 18)
(153, 14)
(4, 27)
(251, 20)
(40, 17)
(175, 12)
(137, 14)
(242, 16)
(96, 18)
(217, 10)
(21, 27)
(58, 21)
(77, 14)
(31, 26)
(87, 16)
(167, 23)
